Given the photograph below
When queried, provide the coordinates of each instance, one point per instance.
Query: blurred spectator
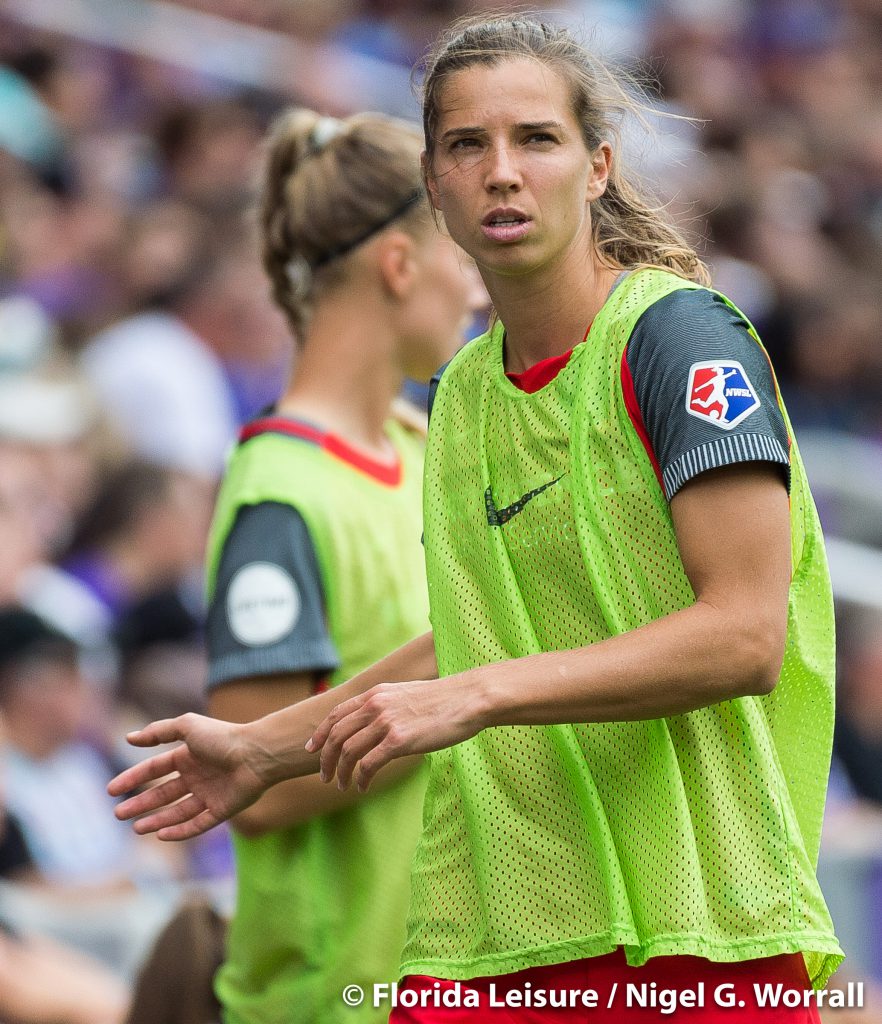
(142, 535)
(175, 985)
(208, 150)
(82, 877)
(231, 312)
(166, 265)
(43, 982)
(53, 780)
(50, 417)
(164, 389)
(162, 655)
(837, 368)
(858, 743)
(49, 442)
(28, 128)
(163, 247)
(22, 544)
(136, 558)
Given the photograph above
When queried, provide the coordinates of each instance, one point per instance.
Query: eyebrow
(527, 126)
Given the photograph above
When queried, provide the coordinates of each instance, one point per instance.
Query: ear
(601, 164)
(429, 179)
(396, 263)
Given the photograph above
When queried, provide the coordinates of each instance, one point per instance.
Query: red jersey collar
(388, 473)
(535, 377)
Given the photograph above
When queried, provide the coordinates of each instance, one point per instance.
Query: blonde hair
(328, 186)
(629, 229)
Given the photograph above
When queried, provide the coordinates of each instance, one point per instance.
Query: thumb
(167, 730)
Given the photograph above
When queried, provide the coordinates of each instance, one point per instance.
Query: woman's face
(510, 170)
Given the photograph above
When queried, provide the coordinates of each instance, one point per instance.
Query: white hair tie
(299, 274)
(326, 129)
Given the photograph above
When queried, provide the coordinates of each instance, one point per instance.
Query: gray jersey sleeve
(704, 389)
(433, 389)
(266, 615)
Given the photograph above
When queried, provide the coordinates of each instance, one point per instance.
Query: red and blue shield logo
(719, 391)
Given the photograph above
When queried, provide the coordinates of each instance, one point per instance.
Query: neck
(548, 312)
(347, 374)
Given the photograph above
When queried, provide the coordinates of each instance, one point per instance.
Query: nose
(502, 173)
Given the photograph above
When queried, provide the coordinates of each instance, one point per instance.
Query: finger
(189, 829)
(183, 810)
(139, 774)
(167, 730)
(151, 799)
(354, 749)
(335, 715)
(371, 763)
(333, 745)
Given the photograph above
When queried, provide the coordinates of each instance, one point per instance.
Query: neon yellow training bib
(546, 529)
(322, 905)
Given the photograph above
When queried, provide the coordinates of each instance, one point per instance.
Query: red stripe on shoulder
(636, 416)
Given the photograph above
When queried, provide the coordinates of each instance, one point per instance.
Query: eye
(541, 137)
(466, 142)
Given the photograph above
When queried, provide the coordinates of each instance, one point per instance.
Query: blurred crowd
(137, 334)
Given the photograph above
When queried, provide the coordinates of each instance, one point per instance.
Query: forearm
(297, 801)
(278, 740)
(687, 660)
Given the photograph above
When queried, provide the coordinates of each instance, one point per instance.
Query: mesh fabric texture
(546, 529)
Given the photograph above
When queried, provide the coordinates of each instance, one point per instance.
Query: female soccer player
(632, 631)
(315, 568)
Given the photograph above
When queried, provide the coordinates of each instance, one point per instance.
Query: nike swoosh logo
(498, 516)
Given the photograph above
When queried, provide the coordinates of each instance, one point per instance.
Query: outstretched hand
(220, 768)
(211, 778)
(392, 720)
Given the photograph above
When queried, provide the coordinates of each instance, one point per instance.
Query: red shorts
(667, 988)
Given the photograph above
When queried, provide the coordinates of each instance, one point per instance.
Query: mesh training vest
(546, 529)
(323, 905)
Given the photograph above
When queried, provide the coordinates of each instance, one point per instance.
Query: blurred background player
(315, 566)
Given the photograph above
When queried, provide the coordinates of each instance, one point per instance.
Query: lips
(505, 224)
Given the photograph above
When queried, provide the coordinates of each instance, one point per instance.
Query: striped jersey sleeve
(700, 391)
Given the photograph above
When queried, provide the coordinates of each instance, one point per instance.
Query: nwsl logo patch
(720, 391)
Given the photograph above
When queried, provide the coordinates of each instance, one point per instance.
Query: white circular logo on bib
(263, 604)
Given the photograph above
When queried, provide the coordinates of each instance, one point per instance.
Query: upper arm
(733, 533)
(704, 401)
(245, 700)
